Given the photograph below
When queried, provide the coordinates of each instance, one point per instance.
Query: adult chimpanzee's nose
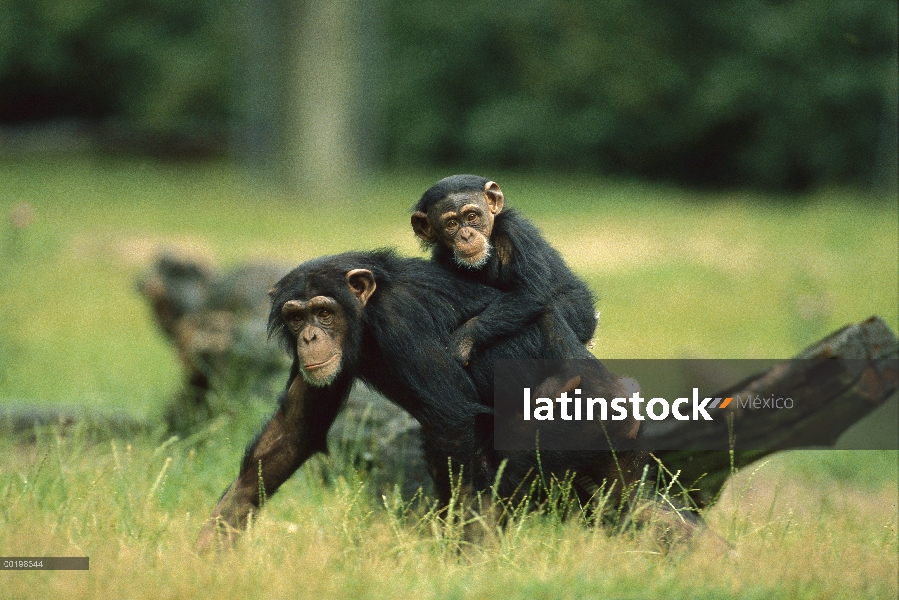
(309, 334)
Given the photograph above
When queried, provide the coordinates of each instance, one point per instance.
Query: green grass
(135, 511)
(678, 274)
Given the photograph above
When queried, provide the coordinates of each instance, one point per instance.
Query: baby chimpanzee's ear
(422, 227)
(494, 196)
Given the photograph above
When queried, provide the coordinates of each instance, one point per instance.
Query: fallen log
(20, 419)
(830, 396)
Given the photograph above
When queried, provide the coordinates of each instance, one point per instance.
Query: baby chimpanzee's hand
(462, 342)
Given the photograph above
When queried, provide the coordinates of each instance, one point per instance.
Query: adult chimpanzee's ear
(494, 196)
(362, 284)
(422, 227)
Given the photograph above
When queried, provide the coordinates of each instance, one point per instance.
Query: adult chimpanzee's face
(319, 326)
(463, 222)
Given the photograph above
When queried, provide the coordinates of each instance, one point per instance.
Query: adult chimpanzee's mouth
(314, 366)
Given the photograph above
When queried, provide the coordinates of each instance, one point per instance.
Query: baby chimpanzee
(462, 218)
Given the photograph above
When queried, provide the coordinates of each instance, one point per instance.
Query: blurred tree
(260, 35)
(297, 92)
(320, 147)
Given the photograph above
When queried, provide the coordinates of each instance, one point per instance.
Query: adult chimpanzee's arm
(296, 431)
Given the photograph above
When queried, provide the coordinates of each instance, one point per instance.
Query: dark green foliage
(779, 94)
(161, 63)
(775, 94)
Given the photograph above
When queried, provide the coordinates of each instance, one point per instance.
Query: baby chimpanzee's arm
(538, 283)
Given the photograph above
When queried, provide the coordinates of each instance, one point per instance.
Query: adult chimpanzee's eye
(451, 225)
(325, 317)
(472, 218)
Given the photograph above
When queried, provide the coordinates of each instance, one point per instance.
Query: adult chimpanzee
(462, 218)
(387, 320)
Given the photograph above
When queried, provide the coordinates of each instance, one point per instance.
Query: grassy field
(678, 274)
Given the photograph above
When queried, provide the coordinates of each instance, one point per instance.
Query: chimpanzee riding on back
(461, 217)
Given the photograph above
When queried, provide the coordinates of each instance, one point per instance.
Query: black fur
(398, 345)
(535, 283)
(398, 342)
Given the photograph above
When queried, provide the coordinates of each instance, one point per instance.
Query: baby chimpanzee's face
(463, 222)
